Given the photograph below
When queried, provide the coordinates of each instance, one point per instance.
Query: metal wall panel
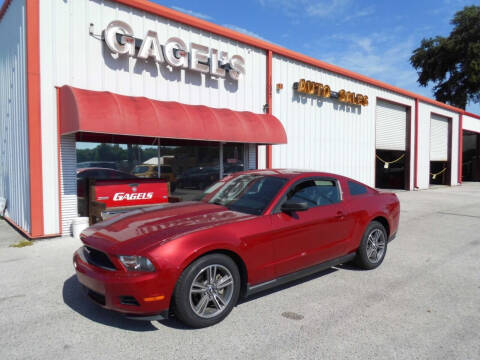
(71, 56)
(324, 134)
(14, 155)
(471, 123)
(424, 115)
(68, 156)
(438, 138)
(251, 162)
(390, 126)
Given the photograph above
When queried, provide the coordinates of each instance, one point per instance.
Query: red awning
(85, 111)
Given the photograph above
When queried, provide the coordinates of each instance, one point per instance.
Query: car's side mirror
(292, 206)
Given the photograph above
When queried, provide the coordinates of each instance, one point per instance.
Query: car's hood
(139, 229)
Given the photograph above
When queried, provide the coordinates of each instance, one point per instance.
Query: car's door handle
(340, 215)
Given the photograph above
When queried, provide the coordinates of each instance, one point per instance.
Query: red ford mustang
(251, 231)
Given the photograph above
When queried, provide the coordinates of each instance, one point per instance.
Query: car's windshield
(249, 193)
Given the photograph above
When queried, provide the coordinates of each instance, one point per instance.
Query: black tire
(368, 256)
(185, 301)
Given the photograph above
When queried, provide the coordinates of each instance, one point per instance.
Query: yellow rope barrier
(387, 163)
(438, 173)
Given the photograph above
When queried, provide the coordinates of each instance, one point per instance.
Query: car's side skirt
(298, 274)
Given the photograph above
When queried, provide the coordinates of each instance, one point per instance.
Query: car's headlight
(136, 263)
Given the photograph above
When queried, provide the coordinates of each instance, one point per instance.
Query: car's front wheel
(207, 291)
(373, 246)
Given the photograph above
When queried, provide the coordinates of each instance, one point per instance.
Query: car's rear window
(356, 188)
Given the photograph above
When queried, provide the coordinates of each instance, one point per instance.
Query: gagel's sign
(120, 196)
(120, 39)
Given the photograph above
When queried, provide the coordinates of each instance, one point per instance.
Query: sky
(373, 38)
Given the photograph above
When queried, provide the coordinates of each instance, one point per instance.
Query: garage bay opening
(440, 145)
(392, 146)
(471, 156)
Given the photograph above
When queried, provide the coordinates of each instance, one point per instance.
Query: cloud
(192, 13)
(245, 31)
(380, 56)
(299, 8)
(288, 7)
(362, 13)
(365, 44)
(326, 8)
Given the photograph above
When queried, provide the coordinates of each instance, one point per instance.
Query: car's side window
(315, 192)
(356, 188)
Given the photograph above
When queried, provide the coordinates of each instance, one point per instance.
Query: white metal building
(335, 120)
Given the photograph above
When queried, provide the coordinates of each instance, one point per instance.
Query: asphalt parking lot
(422, 303)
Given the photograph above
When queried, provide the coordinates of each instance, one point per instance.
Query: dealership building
(134, 72)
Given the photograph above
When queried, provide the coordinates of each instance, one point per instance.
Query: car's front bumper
(140, 295)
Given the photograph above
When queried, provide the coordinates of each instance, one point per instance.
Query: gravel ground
(422, 303)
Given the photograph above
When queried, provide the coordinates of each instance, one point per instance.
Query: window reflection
(189, 169)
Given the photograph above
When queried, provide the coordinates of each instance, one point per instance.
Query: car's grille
(98, 298)
(98, 258)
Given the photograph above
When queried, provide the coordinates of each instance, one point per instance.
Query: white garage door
(391, 126)
(438, 138)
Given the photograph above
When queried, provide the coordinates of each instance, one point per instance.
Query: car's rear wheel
(207, 291)
(373, 246)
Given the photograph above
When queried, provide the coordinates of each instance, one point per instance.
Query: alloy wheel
(211, 291)
(375, 245)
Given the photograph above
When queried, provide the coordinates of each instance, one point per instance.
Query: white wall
(14, 155)
(262, 156)
(471, 123)
(324, 134)
(70, 56)
(424, 118)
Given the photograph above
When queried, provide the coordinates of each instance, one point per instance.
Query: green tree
(452, 63)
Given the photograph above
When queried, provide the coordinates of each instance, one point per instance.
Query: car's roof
(97, 162)
(99, 168)
(290, 173)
